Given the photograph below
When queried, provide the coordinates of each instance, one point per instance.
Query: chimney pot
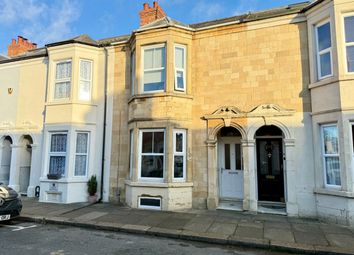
(20, 47)
(146, 6)
(156, 4)
(149, 15)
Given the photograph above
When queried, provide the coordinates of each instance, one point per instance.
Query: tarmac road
(29, 238)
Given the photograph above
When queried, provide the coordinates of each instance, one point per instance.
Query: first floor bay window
(324, 50)
(152, 154)
(180, 67)
(85, 82)
(154, 68)
(57, 153)
(330, 153)
(349, 42)
(62, 83)
(82, 141)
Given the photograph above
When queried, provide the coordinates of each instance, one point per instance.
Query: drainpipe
(104, 122)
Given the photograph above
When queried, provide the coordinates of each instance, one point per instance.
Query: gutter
(104, 122)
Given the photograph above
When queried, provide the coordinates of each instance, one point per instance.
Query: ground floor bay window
(57, 154)
(330, 155)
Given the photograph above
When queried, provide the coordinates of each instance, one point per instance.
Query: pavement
(271, 232)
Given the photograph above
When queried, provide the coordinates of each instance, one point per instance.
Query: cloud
(245, 6)
(38, 21)
(207, 10)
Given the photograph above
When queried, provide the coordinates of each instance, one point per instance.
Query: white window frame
(131, 150)
(161, 45)
(352, 142)
(133, 71)
(345, 43)
(81, 79)
(180, 69)
(176, 153)
(62, 80)
(324, 156)
(58, 154)
(150, 207)
(151, 179)
(320, 53)
(82, 154)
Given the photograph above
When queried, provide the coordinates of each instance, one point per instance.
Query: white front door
(230, 169)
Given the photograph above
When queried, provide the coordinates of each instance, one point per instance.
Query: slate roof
(35, 53)
(82, 39)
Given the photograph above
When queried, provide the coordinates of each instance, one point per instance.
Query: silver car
(10, 203)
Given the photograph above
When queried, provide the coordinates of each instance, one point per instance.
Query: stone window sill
(159, 185)
(159, 94)
(332, 192)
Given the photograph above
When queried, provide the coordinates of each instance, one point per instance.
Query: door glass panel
(275, 159)
(227, 156)
(238, 156)
(263, 157)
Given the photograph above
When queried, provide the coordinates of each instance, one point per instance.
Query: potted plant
(92, 189)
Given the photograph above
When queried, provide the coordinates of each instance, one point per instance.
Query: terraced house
(253, 112)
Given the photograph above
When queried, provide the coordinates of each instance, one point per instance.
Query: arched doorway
(5, 160)
(25, 163)
(230, 167)
(270, 170)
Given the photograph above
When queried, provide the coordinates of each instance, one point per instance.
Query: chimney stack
(150, 14)
(21, 46)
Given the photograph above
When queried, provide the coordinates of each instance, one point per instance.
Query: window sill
(159, 185)
(323, 82)
(334, 192)
(65, 180)
(162, 94)
(68, 102)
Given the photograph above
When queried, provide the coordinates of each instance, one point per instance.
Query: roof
(116, 39)
(313, 4)
(2, 57)
(254, 16)
(163, 22)
(35, 53)
(82, 39)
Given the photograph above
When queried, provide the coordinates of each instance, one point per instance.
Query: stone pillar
(35, 170)
(212, 200)
(250, 202)
(14, 167)
(289, 178)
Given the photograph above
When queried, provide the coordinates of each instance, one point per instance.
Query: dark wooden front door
(270, 170)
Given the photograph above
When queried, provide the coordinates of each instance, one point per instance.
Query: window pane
(85, 70)
(58, 143)
(353, 137)
(62, 90)
(179, 142)
(159, 57)
(57, 165)
(81, 142)
(179, 58)
(350, 58)
(85, 90)
(325, 63)
(349, 29)
(178, 167)
(154, 80)
(324, 36)
(159, 142)
(80, 165)
(332, 171)
(131, 144)
(148, 59)
(330, 138)
(63, 70)
(180, 79)
(147, 142)
(152, 166)
(227, 156)
(238, 156)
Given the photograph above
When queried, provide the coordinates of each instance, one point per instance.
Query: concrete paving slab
(334, 229)
(249, 232)
(249, 242)
(277, 225)
(200, 227)
(173, 223)
(131, 228)
(276, 234)
(309, 228)
(153, 220)
(250, 224)
(285, 246)
(310, 238)
(341, 240)
(90, 216)
(164, 232)
(204, 237)
(222, 228)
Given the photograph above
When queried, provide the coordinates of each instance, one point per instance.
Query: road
(30, 238)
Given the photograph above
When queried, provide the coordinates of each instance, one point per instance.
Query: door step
(232, 205)
(272, 208)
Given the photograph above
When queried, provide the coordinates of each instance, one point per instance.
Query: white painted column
(250, 202)
(290, 178)
(35, 171)
(15, 168)
(212, 200)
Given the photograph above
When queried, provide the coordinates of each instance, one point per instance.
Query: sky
(46, 21)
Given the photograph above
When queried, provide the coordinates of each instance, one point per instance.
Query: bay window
(349, 42)
(154, 59)
(85, 82)
(81, 154)
(179, 154)
(152, 154)
(132, 72)
(62, 84)
(330, 152)
(180, 67)
(57, 153)
(131, 145)
(324, 50)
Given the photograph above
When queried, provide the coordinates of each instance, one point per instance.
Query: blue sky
(45, 21)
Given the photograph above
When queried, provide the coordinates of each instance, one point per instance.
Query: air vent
(153, 203)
